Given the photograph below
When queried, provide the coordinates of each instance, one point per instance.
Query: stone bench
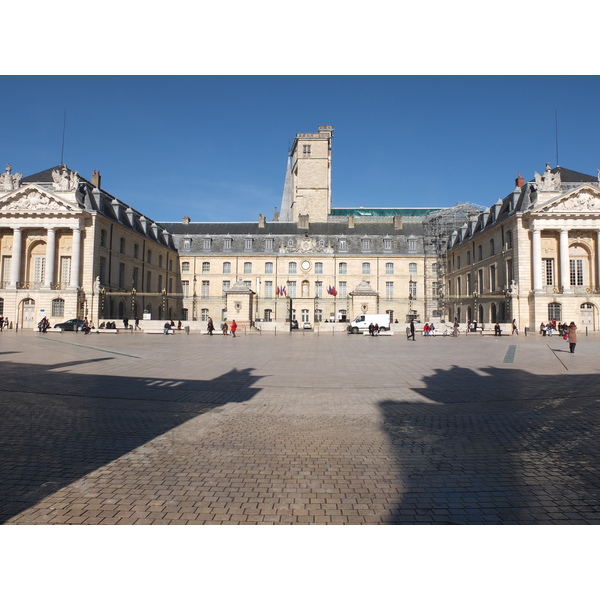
(104, 330)
(161, 331)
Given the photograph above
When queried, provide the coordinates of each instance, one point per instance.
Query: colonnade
(564, 266)
(17, 250)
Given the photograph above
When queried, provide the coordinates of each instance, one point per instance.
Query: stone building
(534, 256)
(311, 263)
(68, 249)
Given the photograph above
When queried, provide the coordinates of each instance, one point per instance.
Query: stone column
(565, 274)
(15, 266)
(75, 258)
(536, 259)
(50, 257)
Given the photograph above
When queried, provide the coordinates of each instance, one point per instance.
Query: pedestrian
(224, 328)
(497, 330)
(412, 331)
(371, 329)
(137, 324)
(210, 326)
(515, 329)
(167, 327)
(179, 325)
(376, 329)
(572, 337)
(126, 323)
(233, 328)
(1, 323)
(455, 328)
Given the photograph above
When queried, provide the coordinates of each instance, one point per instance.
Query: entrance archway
(28, 320)
(587, 316)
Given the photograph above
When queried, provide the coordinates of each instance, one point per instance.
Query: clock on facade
(305, 265)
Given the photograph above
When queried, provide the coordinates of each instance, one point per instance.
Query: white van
(362, 322)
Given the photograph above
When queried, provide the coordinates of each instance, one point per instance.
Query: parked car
(71, 325)
(306, 325)
(294, 324)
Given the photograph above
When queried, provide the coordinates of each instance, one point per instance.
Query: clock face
(305, 265)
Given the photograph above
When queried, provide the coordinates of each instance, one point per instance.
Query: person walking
(515, 329)
(233, 328)
(224, 328)
(210, 326)
(572, 337)
(137, 324)
(412, 331)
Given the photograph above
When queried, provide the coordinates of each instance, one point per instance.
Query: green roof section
(382, 212)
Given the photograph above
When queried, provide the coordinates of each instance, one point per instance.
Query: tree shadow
(497, 446)
(56, 427)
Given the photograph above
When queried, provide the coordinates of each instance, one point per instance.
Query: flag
(283, 292)
(329, 290)
(334, 291)
(278, 291)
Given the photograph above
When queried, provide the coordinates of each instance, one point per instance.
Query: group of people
(373, 329)
(553, 327)
(429, 329)
(44, 325)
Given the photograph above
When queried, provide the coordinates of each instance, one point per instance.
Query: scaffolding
(438, 227)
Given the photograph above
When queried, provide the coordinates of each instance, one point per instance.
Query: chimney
(397, 221)
(186, 220)
(351, 221)
(519, 181)
(262, 221)
(96, 179)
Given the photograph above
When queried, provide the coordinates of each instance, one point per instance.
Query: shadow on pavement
(48, 439)
(498, 446)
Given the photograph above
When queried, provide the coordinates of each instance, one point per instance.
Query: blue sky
(214, 148)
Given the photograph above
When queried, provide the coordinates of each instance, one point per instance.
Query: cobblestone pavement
(298, 428)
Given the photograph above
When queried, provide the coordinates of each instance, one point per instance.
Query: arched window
(343, 268)
(58, 307)
(206, 267)
(412, 268)
(269, 267)
(366, 268)
(389, 268)
(247, 267)
(185, 267)
(226, 267)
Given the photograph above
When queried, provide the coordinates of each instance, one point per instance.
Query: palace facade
(70, 249)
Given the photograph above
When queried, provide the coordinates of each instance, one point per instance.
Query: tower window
(306, 150)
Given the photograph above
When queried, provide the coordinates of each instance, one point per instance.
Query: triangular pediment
(34, 199)
(583, 200)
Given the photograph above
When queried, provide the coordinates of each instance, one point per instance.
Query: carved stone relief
(34, 200)
(64, 179)
(8, 181)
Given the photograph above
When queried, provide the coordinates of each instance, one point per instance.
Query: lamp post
(410, 297)
(194, 298)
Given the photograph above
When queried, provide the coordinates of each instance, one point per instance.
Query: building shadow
(56, 427)
(497, 446)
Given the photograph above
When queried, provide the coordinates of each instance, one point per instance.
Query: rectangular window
(185, 288)
(187, 244)
(226, 267)
(342, 289)
(247, 267)
(576, 265)
(509, 272)
(366, 268)
(248, 244)
(39, 269)
(269, 244)
(387, 244)
(306, 150)
(206, 267)
(6, 270)
(389, 290)
(268, 289)
(121, 275)
(58, 307)
(291, 290)
(343, 268)
(292, 268)
(205, 290)
(493, 278)
(412, 245)
(412, 268)
(226, 286)
(227, 244)
(509, 240)
(206, 244)
(319, 289)
(343, 245)
(65, 269)
(319, 268)
(185, 267)
(389, 268)
(269, 268)
(412, 289)
(366, 245)
(548, 265)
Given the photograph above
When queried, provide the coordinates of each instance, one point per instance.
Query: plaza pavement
(298, 428)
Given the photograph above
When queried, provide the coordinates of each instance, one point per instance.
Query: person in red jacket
(233, 328)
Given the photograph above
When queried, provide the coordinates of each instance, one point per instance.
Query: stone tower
(310, 176)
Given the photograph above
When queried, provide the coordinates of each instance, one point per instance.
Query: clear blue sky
(215, 148)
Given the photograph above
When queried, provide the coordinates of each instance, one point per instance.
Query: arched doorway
(494, 315)
(587, 316)
(28, 320)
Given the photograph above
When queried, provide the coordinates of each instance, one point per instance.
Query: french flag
(278, 292)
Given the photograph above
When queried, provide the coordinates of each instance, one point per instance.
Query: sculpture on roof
(8, 181)
(64, 179)
(549, 181)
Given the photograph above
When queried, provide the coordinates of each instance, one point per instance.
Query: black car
(71, 325)
(294, 324)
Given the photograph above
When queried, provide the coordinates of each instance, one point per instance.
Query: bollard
(187, 329)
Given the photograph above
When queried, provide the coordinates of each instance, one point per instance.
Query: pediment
(583, 200)
(33, 199)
